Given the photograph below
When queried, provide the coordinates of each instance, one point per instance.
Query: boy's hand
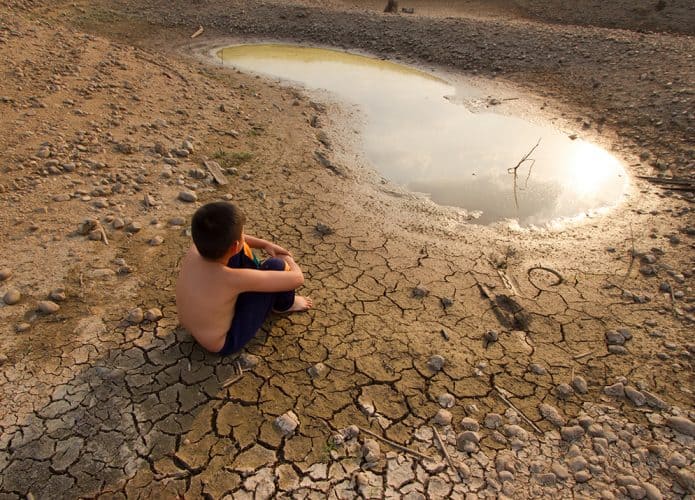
(275, 250)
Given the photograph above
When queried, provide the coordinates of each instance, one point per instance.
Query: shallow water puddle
(416, 136)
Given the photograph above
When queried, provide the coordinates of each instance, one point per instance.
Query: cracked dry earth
(539, 387)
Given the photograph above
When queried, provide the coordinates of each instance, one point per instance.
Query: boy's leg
(252, 308)
(244, 259)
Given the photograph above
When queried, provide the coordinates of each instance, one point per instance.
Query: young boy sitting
(223, 293)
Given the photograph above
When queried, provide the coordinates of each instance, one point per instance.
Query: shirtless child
(223, 293)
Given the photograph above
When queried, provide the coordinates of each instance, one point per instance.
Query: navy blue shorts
(252, 308)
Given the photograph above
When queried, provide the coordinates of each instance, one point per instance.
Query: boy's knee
(273, 264)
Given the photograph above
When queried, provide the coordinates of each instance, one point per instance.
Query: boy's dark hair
(215, 227)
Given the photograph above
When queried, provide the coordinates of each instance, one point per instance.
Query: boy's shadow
(122, 414)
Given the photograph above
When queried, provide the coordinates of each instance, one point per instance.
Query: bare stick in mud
(395, 445)
(198, 33)
(391, 6)
(514, 170)
(446, 453)
(632, 257)
(503, 397)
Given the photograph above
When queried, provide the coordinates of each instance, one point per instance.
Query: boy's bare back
(205, 297)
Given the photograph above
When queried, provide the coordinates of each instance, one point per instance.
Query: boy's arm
(254, 280)
(270, 248)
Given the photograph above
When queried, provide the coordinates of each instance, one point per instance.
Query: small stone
(446, 302)
(537, 369)
(617, 349)
(467, 437)
(652, 491)
(57, 295)
(323, 229)
(3, 359)
(547, 479)
(443, 417)
(681, 424)
(636, 491)
(492, 420)
(420, 292)
(563, 391)
(635, 396)
(5, 274)
(177, 221)
(117, 223)
(133, 227)
(48, 306)
(614, 338)
(188, 196)
(319, 370)
(552, 415)
(686, 478)
(371, 451)
(21, 327)
(446, 400)
(153, 314)
(625, 480)
(287, 423)
(572, 433)
(350, 432)
(491, 336)
(248, 361)
(156, 241)
(580, 385)
(677, 460)
(560, 470)
(577, 463)
(582, 476)
(436, 363)
(470, 424)
(135, 316)
(12, 296)
(616, 390)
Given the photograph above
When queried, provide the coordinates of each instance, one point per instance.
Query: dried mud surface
(421, 318)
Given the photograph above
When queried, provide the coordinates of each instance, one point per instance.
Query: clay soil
(110, 110)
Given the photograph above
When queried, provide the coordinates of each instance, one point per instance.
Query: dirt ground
(554, 363)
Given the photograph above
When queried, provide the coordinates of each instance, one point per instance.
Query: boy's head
(216, 227)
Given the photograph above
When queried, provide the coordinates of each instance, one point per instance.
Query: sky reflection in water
(415, 137)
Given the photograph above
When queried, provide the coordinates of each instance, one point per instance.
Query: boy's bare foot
(300, 304)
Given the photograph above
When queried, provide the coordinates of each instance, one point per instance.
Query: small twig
(446, 453)
(521, 413)
(513, 170)
(198, 33)
(172, 475)
(103, 235)
(673, 298)
(583, 355)
(395, 445)
(632, 257)
(232, 380)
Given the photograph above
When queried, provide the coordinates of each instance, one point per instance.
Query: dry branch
(521, 413)
(395, 445)
(446, 453)
(198, 33)
(513, 170)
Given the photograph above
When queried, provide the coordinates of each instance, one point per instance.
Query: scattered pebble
(443, 417)
(552, 415)
(156, 241)
(287, 423)
(420, 292)
(12, 296)
(470, 424)
(22, 327)
(153, 314)
(580, 385)
(681, 424)
(248, 361)
(5, 274)
(47, 306)
(571, 433)
(319, 370)
(436, 363)
(135, 316)
(188, 196)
